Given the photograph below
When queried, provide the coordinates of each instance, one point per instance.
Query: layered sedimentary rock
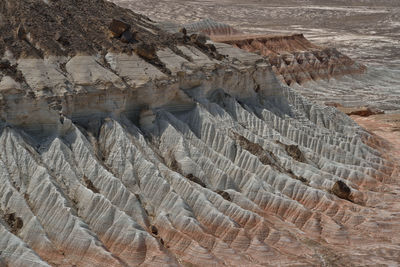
(211, 28)
(372, 42)
(109, 158)
(322, 73)
(296, 60)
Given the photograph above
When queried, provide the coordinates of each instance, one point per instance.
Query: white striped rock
(108, 158)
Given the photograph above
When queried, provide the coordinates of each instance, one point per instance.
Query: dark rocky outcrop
(340, 189)
(118, 27)
(15, 223)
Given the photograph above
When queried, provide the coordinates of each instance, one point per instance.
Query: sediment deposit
(152, 148)
(294, 59)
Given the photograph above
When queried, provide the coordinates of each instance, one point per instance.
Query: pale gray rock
(134, 70)
(171, 60)
(44, 76)
(9, 86)
(86, 71)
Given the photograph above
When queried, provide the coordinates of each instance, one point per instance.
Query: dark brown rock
(341, 190)
(183, 30)
(21, 32)
(195, 179)
(154, 230)
(14, 222)
(225, 195)
(360, 111)
(128, 37)
(118, 27)
(146, 51)
(90, 185)
(212, 47)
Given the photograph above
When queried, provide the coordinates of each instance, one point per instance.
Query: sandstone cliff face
(110, 159)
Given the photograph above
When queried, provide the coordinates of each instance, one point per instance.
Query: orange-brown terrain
(130, 141)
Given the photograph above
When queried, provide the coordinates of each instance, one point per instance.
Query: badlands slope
(366, 30)
(146, 148)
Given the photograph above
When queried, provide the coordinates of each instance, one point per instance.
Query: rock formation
(294, 59)
(211, 28)
(163, 152)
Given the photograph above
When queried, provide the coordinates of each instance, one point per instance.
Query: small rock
(61, 39)
(14, 222)
(154, 230)
(57, 36)
(220, 57)
(146, 51)
(340, 189)
(4, 64)
(118, 27)
(195, 179)
(225, 195)
(128, 37)
(21, 33)
(183, 30)
(295, 152)
(198, 38)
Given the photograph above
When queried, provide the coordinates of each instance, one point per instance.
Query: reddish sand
(386, 126)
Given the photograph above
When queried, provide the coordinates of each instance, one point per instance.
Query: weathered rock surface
(211, 28)
(294, 59)
(110, 159)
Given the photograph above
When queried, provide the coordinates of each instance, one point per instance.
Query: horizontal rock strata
(211, 28)
(295, 60)
(110, 159)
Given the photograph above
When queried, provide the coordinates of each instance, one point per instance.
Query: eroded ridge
(107, 159)
(211, 28)
(296, 60)
(233, 169)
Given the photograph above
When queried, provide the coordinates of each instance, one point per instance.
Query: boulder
(341, 190)
(14, 222)
(118, 27)
(154, 230)
(146, 51)
(128, 37)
